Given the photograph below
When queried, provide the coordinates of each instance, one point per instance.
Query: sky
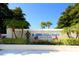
(38, 12)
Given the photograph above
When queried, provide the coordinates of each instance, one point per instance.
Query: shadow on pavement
(24, 52)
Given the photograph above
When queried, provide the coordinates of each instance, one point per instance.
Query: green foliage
(42, 42)
(13, 41)
(11, 23)
(16, 24)
(46, 42)
(22, 24)
(18, 14)
(74, 29)
(5, 13)
(69, 17)
(70, 41)
(11, 14)
(46, 24)
(49, 24)
(67, 30)
(55, 42)
(43, 24)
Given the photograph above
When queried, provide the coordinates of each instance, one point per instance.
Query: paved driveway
(58, 52)
(21, 54)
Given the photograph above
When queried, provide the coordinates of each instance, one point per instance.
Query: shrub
(41, 42)
(70, 41)
(13, 41)
(55, 42)
(1, 41)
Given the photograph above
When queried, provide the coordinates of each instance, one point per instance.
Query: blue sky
(38, 12)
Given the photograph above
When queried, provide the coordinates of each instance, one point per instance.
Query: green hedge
(55, 42)
(13, 41)
(42, 42)
(70, 41)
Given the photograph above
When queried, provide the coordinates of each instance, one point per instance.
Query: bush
(46, 42)
(70, 41)
(1, 41)
(13, 41)
(55, 42)
(41, 42)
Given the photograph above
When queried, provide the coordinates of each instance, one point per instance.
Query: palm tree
(43, 24)
(17, 24)
(11, 24)
(48, 24)
(67, 30)
(22, 24)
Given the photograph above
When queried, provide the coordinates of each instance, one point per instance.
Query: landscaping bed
(69, 41)
(13, 41)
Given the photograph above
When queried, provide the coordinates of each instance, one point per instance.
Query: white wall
(9, 33)
(44, 32)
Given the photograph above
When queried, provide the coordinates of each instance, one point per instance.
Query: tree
(10, 14)
(43, 24)
(67, 30)
(72, 30)
(69, 17)
(12, 24)
(18, 14)
(48, 24)
(5, 13)
(75, 29)
(22, 24)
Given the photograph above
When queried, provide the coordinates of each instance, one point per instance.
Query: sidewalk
(40, 47)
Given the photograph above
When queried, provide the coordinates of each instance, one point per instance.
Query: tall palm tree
(43, 24)
(22, 24)
(48, 24)
(11, 24)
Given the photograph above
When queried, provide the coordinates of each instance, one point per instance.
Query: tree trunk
(76, 35)
(48, 27)
(14, 33)
(68, 35)
(22, 33)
